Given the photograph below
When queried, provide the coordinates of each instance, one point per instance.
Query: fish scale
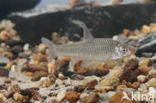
(98, 49)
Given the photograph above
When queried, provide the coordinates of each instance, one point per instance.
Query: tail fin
(51, 48)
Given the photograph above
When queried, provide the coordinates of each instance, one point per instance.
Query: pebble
(145, 29)
(89, 79)
(112, 79)
(72, 96)
(122, 86)
(4, 35)
(83, 95)
(130, 71)
(141, 78)
(13, 68)
(42, 48)
(117, 98)
(38, 74)
(39, 57)
(61, 95)
(4, 72)
(51, 100)
(26, 47)
(144, 70)
(45, 82)
(9, 65)
(93, 98)
(36, 67)
(58, 82)
(16, 49)
(2, 97)
(91, 84)
(4, 60)
(52, 68)
(152, 82)
(151, 72)
(61, 76)
(18, 97)
(135, 85)
(142, 87)
(79, 88)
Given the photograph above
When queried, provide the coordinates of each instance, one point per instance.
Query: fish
(90, 48)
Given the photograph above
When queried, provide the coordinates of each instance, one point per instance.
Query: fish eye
(123, 49)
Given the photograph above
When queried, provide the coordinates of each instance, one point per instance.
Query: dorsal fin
(86, 33)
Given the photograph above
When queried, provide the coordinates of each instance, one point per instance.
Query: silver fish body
(97, 49)
(90, 48)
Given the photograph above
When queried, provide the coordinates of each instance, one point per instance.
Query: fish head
(124, 50)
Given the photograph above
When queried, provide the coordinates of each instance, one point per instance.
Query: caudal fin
(51, 48)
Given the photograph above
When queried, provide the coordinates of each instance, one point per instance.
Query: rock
(130, 71)
(117, 98)
(93, 98)
(16, 5)
(4, 72)
(102, 24)
(146, 44)
(72, 96)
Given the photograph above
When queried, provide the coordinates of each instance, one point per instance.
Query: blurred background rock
(38, 18)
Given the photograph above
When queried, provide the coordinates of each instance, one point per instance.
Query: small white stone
(2, 98)
(151, 72)
(152, 82)
(61, 95)
(83, 95)
(141, 78)
(37, 102)
(26, 47)
(59, 82)
(13, 68)
(143, 87)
